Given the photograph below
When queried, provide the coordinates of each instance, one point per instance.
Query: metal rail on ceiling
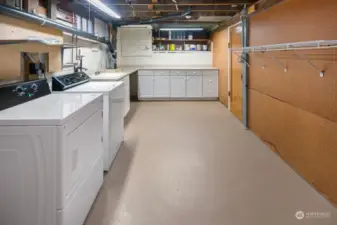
(294, 46)
(305, 45)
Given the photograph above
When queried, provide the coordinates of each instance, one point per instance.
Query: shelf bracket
(284, 67)
(261, 64)
(242, 59)
(321, 72)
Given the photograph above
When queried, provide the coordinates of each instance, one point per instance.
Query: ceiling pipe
(180, 4)
(158, 19)
(19, 14)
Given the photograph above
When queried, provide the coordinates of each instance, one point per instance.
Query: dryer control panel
(18, 93)
(64, 82)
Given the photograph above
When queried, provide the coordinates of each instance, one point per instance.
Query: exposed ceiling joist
(212, 11)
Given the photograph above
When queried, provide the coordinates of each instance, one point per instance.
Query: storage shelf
(294, 46)
(182, 40)
(306, 45)
(45, 41)
(17, 13)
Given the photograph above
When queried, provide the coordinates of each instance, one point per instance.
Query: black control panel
(18, 93)
(64, 82)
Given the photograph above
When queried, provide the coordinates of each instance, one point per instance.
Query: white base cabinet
(177, 84)
(210, 86)
(145, 86)
(194, 86)
(161, 86)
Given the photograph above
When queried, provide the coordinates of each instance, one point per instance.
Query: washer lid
(109, 76)
(95, 87)
(53, 109)
(113, 75)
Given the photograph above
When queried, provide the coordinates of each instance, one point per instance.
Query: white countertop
(49, 110)
(169, 67)
(120, 73)
(95, 87)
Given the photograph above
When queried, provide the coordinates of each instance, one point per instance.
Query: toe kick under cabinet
(177, 84)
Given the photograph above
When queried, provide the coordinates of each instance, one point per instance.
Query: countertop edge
(135, 69)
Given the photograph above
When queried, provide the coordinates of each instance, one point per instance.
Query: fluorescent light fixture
(187, 29)
(98, 4)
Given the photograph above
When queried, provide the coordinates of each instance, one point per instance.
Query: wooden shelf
(182, 40)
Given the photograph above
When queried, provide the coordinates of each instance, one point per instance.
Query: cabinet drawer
(162, 72)
(194, 72)
(145, 72)
(178, 72)
(210, 72)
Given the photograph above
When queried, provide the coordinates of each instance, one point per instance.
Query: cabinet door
(210, 86)
(145, 86)
(136, 42)
(194, 86)
(178, 86)
(161, 88)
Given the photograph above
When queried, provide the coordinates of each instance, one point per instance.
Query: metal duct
(13, 12)
(154, 20)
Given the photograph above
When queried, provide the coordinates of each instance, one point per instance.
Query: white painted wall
(95, 55)
(156, 58)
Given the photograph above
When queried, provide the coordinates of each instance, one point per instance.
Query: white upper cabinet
(135, 42)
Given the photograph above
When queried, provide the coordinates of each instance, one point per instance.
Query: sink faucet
(79, 68)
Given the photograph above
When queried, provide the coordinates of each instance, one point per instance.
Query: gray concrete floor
(192, 163)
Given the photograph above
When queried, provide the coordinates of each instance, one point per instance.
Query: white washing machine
(50, 155)
(117, 76)
(113, 108)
